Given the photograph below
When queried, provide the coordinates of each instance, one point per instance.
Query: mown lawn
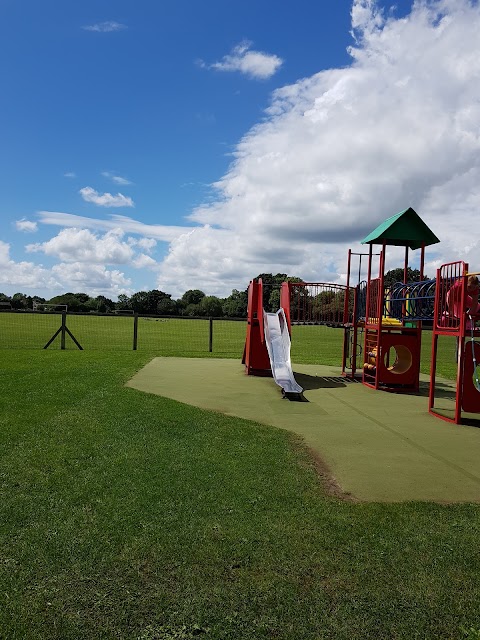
(187, 337)
(130, 516)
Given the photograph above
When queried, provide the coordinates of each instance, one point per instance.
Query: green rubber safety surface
(378, 446)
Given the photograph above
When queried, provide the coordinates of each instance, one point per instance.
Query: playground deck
(378, 446)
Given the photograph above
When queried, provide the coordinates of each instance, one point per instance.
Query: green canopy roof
(405, 229)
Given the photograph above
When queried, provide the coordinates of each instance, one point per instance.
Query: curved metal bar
(411, 300)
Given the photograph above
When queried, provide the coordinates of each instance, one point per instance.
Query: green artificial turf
(378, 446)
(130, 516)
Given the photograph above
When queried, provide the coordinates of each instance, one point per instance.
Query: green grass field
(161, 335)
(127, 515)
(183, 337)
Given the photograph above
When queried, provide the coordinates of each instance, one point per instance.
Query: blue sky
(179, 144)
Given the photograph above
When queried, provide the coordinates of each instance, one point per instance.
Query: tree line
(194, 302)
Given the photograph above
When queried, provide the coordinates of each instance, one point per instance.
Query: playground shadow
(446, 391)
(471, 422)
(443, 390)
(319, 382)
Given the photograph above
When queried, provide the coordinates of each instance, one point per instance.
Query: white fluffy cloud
(105, 199)
(144, 261)
(81, 245)
(26, 225)
(341, 151)
(23, 274)
(95, 279)
(147, 244)
(256, 64)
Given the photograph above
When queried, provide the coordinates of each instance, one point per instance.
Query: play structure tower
(393, 334)
(388, 318)
(454, 317)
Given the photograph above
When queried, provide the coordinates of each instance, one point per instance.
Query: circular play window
(398, 359)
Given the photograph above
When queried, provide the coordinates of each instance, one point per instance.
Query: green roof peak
(404, 229)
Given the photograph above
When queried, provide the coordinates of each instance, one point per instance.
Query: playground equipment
(453, 316)
(382, 325)
(391, 318)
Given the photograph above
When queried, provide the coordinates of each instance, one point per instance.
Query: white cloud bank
(336, 154)
(81, 245)
(23, 274)
(255, 64)
(68, 275)
(94, 279)
(341, 151)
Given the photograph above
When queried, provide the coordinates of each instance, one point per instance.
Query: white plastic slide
(277, 340)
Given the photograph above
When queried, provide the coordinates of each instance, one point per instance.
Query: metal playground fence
(87, 331)
(158, 335)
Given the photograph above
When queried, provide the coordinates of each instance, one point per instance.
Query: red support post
(255, 354)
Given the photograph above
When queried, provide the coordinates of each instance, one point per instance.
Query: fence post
(64, 327)
(135, 330)
(210, 335)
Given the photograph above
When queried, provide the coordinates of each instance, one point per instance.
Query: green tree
(158, 298)
(146, 302)
(66, 298)
(192, 310)
(138, 302)
(19, 301)
(123, 302)
(328, 306)
(396, 275)
(192, 296)
(102, 304)
(37, 300)
(235, 306)
(167, 307)
(274, 299)
(181, 306)
(270, 284)
(210, 306)
(271, 289)
(74, 301)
